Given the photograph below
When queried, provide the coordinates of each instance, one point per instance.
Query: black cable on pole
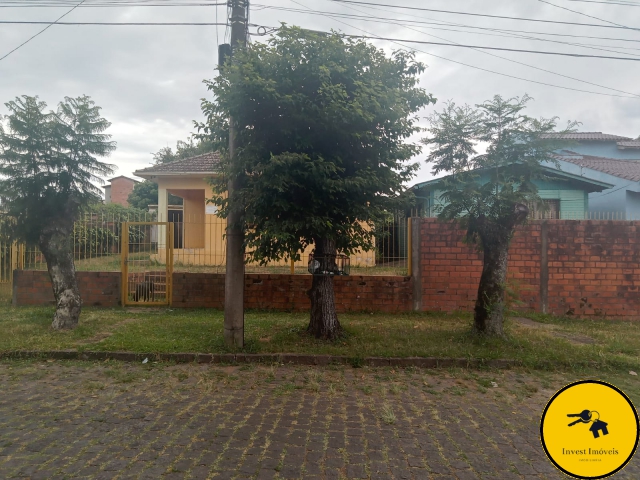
(485, 69)
(625, 4)
(404, 22)
(482, 14)
(162, 24)
(514, 61)
(539, 52)
(41, 31)
(445, 23)
(583, 14)
(110, 4)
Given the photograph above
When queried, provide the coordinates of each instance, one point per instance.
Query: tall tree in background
(48, 170)
(489, 194)
(146, 193)
(183, 150)
(322, 125)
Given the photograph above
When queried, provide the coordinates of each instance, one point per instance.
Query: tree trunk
(495, 237)
(324, 322)
(55, 246)
(489, 311)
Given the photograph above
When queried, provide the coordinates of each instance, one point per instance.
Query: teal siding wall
(574, 203)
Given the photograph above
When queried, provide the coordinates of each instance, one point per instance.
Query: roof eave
(173, 174)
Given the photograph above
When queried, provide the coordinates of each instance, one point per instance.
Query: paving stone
(243, 426)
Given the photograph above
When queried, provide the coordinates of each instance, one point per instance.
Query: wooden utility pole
(234, 278)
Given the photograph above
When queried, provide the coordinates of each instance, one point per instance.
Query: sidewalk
(120, 421)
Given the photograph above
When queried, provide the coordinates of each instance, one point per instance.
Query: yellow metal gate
(10, 260)
(147, 263)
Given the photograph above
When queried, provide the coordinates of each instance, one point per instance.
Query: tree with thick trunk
(324, 319)
(323, 124)
(48, 171)
(54, 245)
(495, 239)
(489, 193)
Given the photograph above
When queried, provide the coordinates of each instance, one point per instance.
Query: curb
(267, 358)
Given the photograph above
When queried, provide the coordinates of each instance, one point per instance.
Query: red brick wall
(269, 292)
(121, 188)
(594, 268)
(289, 292)
(96, 288)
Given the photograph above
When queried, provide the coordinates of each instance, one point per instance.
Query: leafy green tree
(489, 193)
(322, 123)
(48, 170)
(146, 193)
(183, 150)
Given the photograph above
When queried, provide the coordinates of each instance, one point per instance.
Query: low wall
(100, 289)
(262, 291)
(586, 268)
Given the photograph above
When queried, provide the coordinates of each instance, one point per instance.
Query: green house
(566, 195)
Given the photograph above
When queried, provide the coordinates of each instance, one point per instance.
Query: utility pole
(234, 278)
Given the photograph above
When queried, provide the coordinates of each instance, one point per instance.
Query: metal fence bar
(200, 245)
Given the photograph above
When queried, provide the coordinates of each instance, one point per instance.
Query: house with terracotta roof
(622, 200)
(198, 230)
(598, 144)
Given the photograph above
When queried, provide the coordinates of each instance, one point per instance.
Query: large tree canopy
(322, 123)
(183, 150)
(49, 168)
(146, 193)
(490, 193)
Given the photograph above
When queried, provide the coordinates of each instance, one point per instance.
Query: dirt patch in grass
(574, 338)
(104, 335)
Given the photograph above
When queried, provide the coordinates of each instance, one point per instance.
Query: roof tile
(587, 136)
(206, 163)
(633, 144)
(627, 169)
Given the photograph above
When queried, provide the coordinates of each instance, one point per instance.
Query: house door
(147, 263)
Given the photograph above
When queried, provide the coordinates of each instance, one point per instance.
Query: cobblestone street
(119, 421)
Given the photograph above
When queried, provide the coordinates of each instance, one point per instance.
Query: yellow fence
(200, 246)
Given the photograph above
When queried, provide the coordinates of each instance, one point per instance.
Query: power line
(41, 31)
(625, 4)
(109, 5)
(583, 14)
(482, 15)
(164, 24)
(445, 23)
(486, 69)
(517, 62)
(538, 52)
(403, 22)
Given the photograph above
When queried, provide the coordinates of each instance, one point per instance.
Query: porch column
(163, 215)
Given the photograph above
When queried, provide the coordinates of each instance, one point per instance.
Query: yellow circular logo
(589, 429)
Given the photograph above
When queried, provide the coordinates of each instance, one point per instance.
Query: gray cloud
(148, 80)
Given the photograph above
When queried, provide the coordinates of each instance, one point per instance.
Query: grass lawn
(560, 341)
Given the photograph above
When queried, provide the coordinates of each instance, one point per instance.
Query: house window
(545, 210)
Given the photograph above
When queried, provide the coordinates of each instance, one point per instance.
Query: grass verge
(615, 344)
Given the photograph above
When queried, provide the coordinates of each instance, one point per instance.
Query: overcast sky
(148, 79)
